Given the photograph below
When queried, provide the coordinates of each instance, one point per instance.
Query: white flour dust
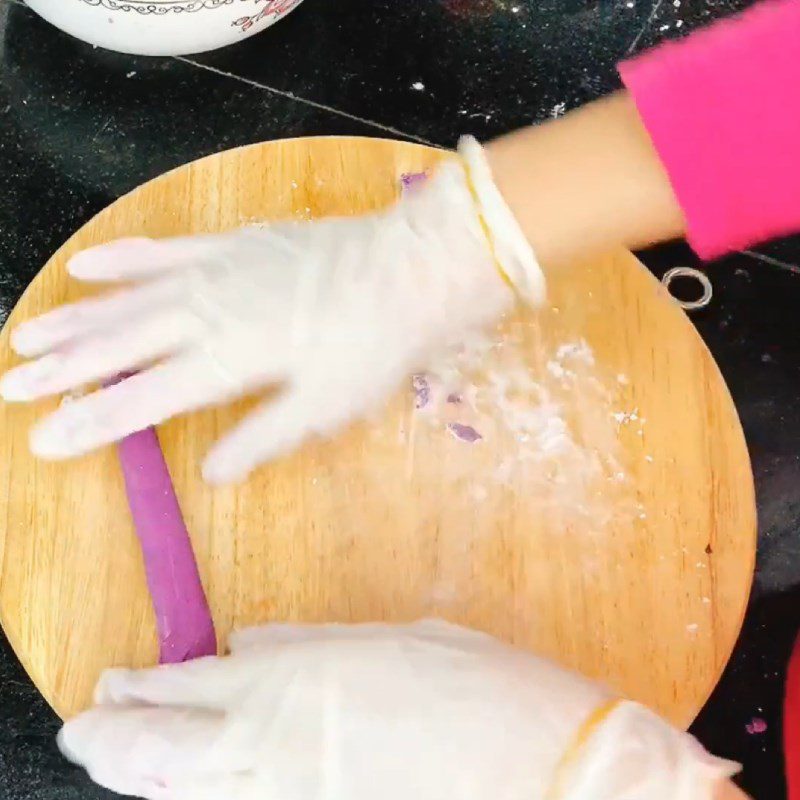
(536, 419)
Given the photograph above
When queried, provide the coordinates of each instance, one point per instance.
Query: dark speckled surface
(79, 126)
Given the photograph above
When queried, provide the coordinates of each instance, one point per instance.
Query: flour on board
(548, 429)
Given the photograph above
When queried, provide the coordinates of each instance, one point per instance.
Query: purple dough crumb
(465, 433)
(422, 391)
(756, 726)
(409, 179)
(454, 399)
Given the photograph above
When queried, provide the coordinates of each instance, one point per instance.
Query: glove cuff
(513, 254)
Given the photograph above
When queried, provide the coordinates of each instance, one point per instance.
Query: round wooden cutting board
(605, 517)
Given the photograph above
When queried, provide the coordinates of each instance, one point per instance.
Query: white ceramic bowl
(162, 27)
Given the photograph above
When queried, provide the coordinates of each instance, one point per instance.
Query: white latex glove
(337, 312)
(427, 711)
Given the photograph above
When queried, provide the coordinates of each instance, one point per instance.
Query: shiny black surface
(79, 126)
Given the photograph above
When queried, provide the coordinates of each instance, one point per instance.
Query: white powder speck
(692, 627)
(622, 379)
(418, 86)
(515, 9)
(579, 351)
(558, 110)
(557, 370)
(679, 23)
(131, 74)
(664, 28)
(629, 4)
(706, 600)
(624, 417)
(648, 459)
(553, 434)
(520, 395)
(294, 184)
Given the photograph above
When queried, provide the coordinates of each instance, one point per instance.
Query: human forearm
(681, 152)
(586, 182)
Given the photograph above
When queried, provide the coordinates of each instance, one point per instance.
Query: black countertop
(79, 126)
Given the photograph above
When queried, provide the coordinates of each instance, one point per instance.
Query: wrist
(460, 204)
(599, 183)
(511, 252)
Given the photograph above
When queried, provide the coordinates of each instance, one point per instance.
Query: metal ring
(700, 277)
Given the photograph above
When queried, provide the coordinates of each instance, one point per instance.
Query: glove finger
(209, 683)
(266, 636)
(280, 633)
(102, 355)
(279, 427)
(137, 258)
(223, 786)
(276, 634)
(68, 322)
(143, 750)
(184, 383)
(126, 785)
(271, 431)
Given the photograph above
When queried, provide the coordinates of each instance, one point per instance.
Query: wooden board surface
(616, 533)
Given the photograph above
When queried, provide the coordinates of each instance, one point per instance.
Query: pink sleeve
(723, 110)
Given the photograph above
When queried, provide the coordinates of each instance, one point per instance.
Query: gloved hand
(427, 711)
(336, 312)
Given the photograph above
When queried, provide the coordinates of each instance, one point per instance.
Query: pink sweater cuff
(723, 110)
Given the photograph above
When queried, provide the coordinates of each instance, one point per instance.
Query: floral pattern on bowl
(201, 31)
